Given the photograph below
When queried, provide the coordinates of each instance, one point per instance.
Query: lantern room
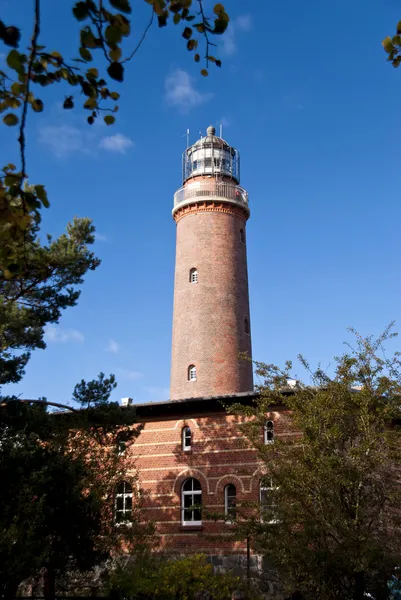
(210, 156)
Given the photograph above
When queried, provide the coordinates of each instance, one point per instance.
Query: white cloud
(99, 237)
(242, 23)
(181, 92)
(113, 347)
(55, 334)
(63, 140)
(128, 374)
(116, 143)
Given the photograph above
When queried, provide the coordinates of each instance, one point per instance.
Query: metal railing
(200, 190)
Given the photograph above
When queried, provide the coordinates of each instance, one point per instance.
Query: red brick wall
(219, 455)
(208, 320)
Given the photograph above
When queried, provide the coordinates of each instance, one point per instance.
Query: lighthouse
(211, 319)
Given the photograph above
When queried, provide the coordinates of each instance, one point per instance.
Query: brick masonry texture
(209, 316)
(219, 455)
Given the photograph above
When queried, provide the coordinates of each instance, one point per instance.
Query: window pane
(128, 503)
(197, 485)
(119, 503)
(187, 485)
(188, 501)
(188, 515)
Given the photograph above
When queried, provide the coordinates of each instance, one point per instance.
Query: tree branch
(139, 44)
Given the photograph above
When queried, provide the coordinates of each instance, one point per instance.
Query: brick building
(191, 452)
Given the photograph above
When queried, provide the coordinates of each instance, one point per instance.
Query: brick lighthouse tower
(211, 322)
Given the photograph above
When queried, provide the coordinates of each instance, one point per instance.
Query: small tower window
(193, 276)
(242, 236)
(246, 325)
(191, 373)
(186, 439)
(230, 502)
(269, 432)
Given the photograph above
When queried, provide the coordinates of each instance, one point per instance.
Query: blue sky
(306, 95)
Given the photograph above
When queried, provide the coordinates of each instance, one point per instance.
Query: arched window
(230, 502)
(246, 325)
(268, 507)
(123, 503)
(186, 438)
(191, 502)
(242, 236)
(269, 432)
(193, 276)
(191, 373)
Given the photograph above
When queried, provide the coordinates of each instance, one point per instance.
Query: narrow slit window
(246, 325)
(186, 439)
(191, 373)
(242, 236)
(193, 276)
(269, 432)
(230, 502)
(268, 506)
(123, 503)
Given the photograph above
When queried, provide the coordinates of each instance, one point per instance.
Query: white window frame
(185, 445)
(124, 511)
(268, 428)
(267, 487)
(192, 373)
(193, 275)
(230, 518)
(192, 493)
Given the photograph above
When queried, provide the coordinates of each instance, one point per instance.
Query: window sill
(190, 528)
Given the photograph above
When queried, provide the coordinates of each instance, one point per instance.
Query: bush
(149, 577)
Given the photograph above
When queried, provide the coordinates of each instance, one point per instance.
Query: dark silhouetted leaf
(85, 54)
(186, 34)
(80, 11)
(37, 105)
(122, 5)
(68, 103)
(191, 44)
(10, 35)
(116, 71)
(109, 119)
(204, 72)
(162, 20)
(197, 58)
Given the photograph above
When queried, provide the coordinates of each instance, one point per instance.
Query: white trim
(185, 446)
(192, 493)
(191, 373)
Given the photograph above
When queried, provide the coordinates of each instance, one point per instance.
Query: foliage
(28, 303)
(331, 523)
(58, 474)
(149, 577)
(104, 27)
(392, 47)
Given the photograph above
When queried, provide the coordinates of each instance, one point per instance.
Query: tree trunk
(49, 585)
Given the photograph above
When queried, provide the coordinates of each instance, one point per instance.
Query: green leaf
(204, 72)
(85, 54)
(42, 195)
(80, 11)
(196, 58)
(186, 34)
(218, 9)
(109, 119)
(94, 73)
(10, 119)
(11, 167)
(113, 35)
(37, 105)
(91, 103)
(122, 5)
(116, 71)
(220, 25)
(17, 89)
(399, 27)
(200, 28)
(176, 18)
(211, 58)
(14, 61)
(387, 44)
(114, 95)
(115, 54)
(191, 44)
